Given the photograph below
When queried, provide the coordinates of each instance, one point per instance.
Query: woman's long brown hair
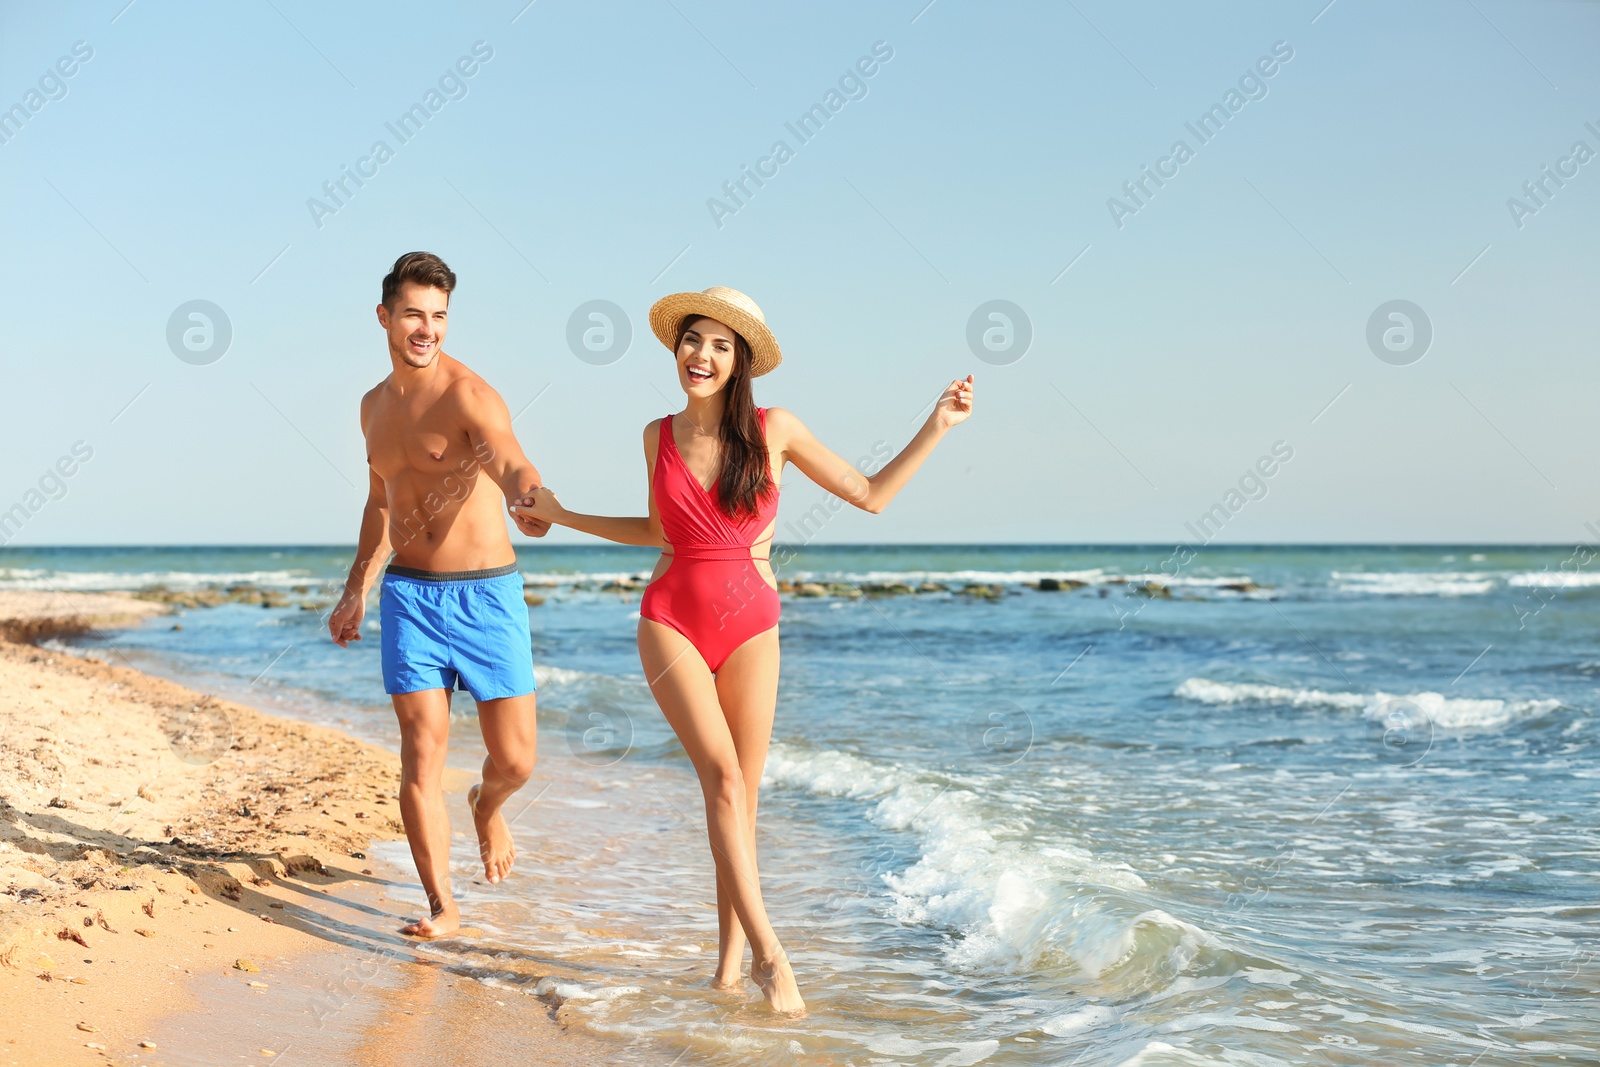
(746, 477)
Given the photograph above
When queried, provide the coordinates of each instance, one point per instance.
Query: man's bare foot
(442, 923)
(776, 980)
(495, 845)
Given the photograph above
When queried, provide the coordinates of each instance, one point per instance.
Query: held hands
(344, 625)
(955, 405)
(536, 512)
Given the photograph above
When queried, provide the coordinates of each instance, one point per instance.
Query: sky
(1163, 341)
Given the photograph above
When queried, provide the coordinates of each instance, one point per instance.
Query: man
(442, 463)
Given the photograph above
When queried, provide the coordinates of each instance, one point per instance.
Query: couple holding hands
(443, 463)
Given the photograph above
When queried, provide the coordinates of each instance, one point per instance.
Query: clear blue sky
(1225, 315)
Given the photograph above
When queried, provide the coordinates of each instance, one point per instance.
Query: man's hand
(526, 520)
(345, 623)
(539, 506)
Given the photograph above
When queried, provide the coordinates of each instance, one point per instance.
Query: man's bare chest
(429, 440)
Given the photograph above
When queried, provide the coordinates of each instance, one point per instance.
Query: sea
(1066, 805)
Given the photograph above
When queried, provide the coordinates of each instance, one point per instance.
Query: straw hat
(725, 305)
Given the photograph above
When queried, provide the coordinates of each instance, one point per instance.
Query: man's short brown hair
(418, 268)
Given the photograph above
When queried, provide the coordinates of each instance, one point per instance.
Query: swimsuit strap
(666, 436)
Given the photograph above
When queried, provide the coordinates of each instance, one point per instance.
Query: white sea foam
(1555, 579)
(1018, 906)
(552, 580)
(565, 990)
(1093, 576)
(1222, 1020)
(548, 675)
(1161, 1054)
(1192, 580)
(1448, 713)
(1076, 1022)
(830, 773)
(100, 581)
(958, 1053)
(1414, 583)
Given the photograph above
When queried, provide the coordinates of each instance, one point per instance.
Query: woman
(708, 627)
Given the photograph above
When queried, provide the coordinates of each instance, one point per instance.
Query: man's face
(416, 321)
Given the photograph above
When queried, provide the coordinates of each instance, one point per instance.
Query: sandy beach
(185, 879)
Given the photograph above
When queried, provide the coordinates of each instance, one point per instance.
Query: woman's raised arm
(869, 492)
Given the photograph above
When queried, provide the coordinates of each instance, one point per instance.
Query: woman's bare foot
(495, 845)
(727, 984)
(776, 980)
(442, 923)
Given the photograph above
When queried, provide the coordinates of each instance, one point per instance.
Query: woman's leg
(687, 694)
(747, 688)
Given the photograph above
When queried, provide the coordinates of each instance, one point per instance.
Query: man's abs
(446, 521)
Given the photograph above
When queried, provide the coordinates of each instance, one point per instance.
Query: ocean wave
(106, 581)
(1555, 579)
(957, 1053)
(1448, 713)
(1414, 583)
(1093, 1017)
(1164, 1055)
(563, 990)
(1161, 1054)
(552, 579)
(1018, 907)
(829, 773)
(549, 675)
(555, 579)
(1094, 576)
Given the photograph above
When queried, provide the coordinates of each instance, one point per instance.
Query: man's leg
(424, 738)
(510, 735)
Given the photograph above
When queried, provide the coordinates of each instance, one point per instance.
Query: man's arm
(372, 552)
(487, 421)
(372, 546)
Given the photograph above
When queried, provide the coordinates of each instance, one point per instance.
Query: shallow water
(1328, 805)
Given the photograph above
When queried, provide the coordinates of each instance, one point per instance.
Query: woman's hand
(537, 511)
(955, 405)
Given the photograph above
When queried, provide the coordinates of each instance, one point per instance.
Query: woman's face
(705, 357)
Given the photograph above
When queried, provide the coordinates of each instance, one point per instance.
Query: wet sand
(185, 880)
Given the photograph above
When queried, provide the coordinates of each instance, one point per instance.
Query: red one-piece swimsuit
(711, 592)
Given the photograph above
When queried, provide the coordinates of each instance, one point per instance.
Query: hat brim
(668, 314)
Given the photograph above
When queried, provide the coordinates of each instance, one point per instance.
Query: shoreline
(164, 854)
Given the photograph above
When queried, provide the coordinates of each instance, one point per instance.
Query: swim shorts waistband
(451, 576)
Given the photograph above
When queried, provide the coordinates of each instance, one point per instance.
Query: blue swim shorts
(460, 629)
